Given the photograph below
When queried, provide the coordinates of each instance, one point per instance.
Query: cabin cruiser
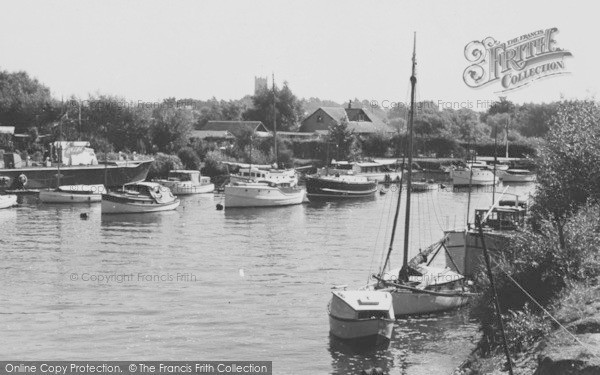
(139, 197)
(262, 194)
(185, 182)
(361, 315)
(277, 176)
(371, 170)
(338, 186)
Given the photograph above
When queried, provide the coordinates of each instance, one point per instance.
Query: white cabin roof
(184, 171)
(360, 300)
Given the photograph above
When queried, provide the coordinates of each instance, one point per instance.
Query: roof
(7, 130)
(371, 123)
(337, 113)
(235, 127)
(361, 300)
(203, 134)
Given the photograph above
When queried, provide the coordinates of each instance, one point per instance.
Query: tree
(568, 168)
(171, 128)
(25, 102)
(341, 138)
(288, 107)
(189, 158)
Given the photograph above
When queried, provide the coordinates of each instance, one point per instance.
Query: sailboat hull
(411, 303)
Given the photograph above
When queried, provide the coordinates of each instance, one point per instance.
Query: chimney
(350, 104)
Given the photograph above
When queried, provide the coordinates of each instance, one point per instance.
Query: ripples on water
(253, 283)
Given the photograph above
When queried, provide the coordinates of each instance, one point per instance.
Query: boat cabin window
(373, 314)
(179, 176)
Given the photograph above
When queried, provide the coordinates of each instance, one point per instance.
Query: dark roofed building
(359, 121)
(235, 127)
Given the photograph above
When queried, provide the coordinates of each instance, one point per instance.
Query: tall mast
(274, 124)
(507, 122)
(495, 162)
(413, 83)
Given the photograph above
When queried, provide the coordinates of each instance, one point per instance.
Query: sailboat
(264, 189)
(416, 287)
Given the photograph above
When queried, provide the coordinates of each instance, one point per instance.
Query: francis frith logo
(515, 63)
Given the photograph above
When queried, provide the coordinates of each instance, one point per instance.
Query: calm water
(201, 284)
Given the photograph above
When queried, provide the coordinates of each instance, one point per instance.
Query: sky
(338, 50)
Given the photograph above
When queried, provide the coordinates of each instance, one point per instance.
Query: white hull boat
(411, 303)
(474, 177)
(140, 197)
(73, 194)
(262, 195)
(109, 207)
(187, 182)
(7, 201)
(516, 175)
(361, 315)
(435, 290)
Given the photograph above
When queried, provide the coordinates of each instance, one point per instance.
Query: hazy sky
(150, 50)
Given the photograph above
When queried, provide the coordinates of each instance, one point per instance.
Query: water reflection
(352, 357)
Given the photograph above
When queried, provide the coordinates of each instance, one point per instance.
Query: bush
(189, 159)
(162, 164)
(542, 267)
(213, 165)
(524, 328)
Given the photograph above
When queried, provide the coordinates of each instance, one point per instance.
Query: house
(359, 121)
(228, 131)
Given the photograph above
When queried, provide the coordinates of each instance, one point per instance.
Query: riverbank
(573, 347)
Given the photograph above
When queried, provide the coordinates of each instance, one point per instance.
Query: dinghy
(364, 315)
(73, 194)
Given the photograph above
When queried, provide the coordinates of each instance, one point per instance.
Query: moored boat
(262, 194)
(7, 201)
(516, 175)
(139, 197)
(255, 173)
(339, 187)
(416, 288)
(428, 290)
(73, 194)
(371, 170)
(473, 177)
(185, 182)
(361, 315)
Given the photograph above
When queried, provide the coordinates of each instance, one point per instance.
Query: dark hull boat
(339, 187)
(117, 174)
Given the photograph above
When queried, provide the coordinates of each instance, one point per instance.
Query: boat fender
(22, 179)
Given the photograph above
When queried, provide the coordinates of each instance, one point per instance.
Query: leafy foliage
(162, 164)
(288, 108)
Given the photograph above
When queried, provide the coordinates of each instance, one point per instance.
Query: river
(202, 284)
